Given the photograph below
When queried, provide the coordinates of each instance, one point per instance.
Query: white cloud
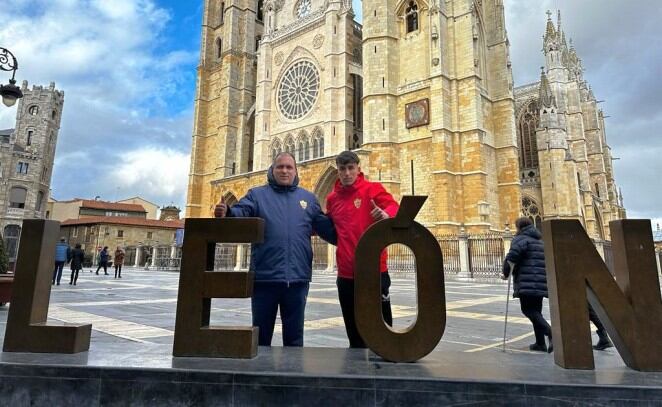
(128, 92)
(155, 172)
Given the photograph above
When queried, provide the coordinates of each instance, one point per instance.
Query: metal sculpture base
(147, 374)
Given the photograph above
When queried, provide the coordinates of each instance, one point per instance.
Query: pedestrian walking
(103, 260)
(118, 261)
(62, 253)
(77, 257)
(529, 279)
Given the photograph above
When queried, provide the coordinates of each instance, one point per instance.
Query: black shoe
(105, 274)
(603, 343)
(58, 283)
(97, 273)
(119, 276)
(70, 283)
(538, 347)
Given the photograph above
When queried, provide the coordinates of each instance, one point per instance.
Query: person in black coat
(527, 254)
(77, 257)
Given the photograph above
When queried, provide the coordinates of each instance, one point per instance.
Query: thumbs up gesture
(221, 209)
(376, 212)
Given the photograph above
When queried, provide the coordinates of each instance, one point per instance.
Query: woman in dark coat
(77, 257)
(527, 255)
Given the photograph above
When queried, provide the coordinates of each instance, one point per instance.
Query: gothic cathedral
(423, 92)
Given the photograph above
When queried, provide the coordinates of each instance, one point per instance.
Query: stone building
(97, 223)
(565, 161)
(144, 241)
(26, 160)
(423, 92)
(422, 89)
(85, 208)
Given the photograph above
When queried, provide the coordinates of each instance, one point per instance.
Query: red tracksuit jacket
(349, 208)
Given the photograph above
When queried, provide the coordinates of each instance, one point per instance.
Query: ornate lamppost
(10, 93)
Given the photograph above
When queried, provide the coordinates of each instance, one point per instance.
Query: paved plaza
(140, 308)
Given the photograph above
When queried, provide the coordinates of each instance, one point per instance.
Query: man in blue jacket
(283, 262)
(62, 252)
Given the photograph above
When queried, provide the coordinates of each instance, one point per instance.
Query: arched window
(526, 136)
(597, 190)
(300, 148)
(275, 149)
(33, 110)
(17, 197)
(29, 139)
(411, 15)
(318, 143)
(219, 47)
(257, 43)
(531, 210)
(306, 149)
(222, 13)
(289, 145)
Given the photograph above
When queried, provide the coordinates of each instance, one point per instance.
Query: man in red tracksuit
(354, 205)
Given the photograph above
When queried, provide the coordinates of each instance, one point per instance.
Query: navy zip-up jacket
(291, 214)
(527, 252)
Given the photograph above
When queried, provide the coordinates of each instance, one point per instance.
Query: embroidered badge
(303, 204)
(357, 203)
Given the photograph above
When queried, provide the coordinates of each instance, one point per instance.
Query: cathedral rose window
(303, 8)
(298, 90)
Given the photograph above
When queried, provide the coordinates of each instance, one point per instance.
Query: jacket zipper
(287, 223)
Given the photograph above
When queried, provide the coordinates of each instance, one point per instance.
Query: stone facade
(26, 160)
(444, 65)
(137, 237)
(565, 161)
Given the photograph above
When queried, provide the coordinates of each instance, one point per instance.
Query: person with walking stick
(529, 279)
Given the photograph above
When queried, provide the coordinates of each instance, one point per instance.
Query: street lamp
(10, 93)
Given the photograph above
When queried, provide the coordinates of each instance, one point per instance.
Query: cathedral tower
(225, 97)
(438, 94)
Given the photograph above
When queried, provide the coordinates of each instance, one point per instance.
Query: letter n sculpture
(27, 330)
(629, 306)
(421, 338)
(198, 284)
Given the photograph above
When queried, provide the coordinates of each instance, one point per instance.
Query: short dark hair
(77, 245)
(523, 222)
(347, 157)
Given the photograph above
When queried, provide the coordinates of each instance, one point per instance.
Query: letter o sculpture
(425, 333)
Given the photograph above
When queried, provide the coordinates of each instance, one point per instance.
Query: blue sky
(128, 70)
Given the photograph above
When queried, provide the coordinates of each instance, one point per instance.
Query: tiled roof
(125, 220)
(112, 206)
(6, 132)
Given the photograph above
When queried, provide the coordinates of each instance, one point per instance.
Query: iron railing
(485, 255)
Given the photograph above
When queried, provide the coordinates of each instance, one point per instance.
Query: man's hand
(221, 209)
(377, 213)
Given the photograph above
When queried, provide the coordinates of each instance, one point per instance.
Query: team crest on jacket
(357, 203)
(303, 204)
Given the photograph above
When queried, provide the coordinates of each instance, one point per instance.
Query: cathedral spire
(550, 32)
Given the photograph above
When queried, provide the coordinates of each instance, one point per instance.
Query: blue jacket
(528, 253)
(103, 256)
(62, 252)
(291, 214)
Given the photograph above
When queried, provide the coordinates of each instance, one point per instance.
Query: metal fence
(450, 251)
(485, 255)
